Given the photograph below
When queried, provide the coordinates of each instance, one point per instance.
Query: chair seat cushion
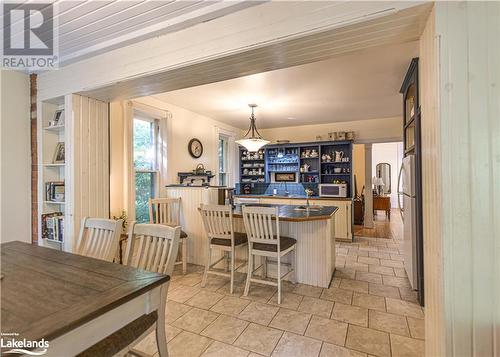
(285, 243)
(119, 340)
(239, 239)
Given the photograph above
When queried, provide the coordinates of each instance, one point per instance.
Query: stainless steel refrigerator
(407, 194)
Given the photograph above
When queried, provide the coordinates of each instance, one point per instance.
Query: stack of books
(53, 226)
(54, 191)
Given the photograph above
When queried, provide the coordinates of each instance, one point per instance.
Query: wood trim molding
(34, 159)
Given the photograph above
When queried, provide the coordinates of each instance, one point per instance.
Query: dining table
(71, 302)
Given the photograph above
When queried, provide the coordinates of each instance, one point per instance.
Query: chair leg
(279, 280)
(264, 267)
(249, 273)
(226, 258)
(161, 337)
(232, 271)
(207, 266)
(294, 266)
(184, 256)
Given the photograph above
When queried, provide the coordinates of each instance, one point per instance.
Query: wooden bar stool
(218, 223)
(167, 211)
(263, 242)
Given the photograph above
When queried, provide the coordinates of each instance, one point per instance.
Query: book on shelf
(54, 191)
(53, 226)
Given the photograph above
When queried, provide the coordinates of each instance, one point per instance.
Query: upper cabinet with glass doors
(411, 110)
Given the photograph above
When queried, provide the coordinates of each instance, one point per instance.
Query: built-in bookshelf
(52, 173)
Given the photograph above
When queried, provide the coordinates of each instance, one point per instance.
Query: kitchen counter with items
(343, 216)
(296, 213)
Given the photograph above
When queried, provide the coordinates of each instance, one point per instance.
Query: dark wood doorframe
(34, 159)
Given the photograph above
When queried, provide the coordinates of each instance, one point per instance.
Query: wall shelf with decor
(312, 163)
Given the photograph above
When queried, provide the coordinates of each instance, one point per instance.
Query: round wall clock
(195, 148)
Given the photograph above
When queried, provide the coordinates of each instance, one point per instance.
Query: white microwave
(333, 190)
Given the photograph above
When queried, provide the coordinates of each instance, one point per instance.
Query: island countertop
(292, 197)
(292, 214)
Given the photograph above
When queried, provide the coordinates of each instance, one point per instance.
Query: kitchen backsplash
(267, 188)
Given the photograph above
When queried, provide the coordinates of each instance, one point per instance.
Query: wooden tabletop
(46, 293)
(292, 214)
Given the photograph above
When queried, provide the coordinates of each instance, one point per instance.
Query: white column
(368, 187)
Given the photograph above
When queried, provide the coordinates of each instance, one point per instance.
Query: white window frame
(231, 156)
(156, 169)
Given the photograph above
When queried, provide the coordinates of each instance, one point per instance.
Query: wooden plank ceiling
(396, 27)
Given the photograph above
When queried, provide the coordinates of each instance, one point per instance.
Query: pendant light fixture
(252, 140)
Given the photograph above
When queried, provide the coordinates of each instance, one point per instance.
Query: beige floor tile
(204, 299)
(397, 257)
(335, 283)
(369, 301)
(369, 260)
(354, 285)
(379, 269)
(417, 327)
(316, 306)
(259, 292)
(259, 339)
(384, 290)
(406, 347)
(175, 310)
(288, 300)
(327, 330)
(329, 350)
(337, 294)
(389, 323)
(191, 279)
(401, 272)
(368, 340)
(214, 283)
(230, 305)
(292, 345)
(345, 273)
(183, 293)
(308, 290)
(253, 354)
(225, 329)
(396, 281)
(148, 344)
(409, 294)
(187, 344)
(259, 313)
(402, 307)
(290, 320)
(369, 277)
(195, 320)
(379, 255)
(219, 349)
(351, 314)
(391, 263)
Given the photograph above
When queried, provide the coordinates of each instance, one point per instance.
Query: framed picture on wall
(58, 119)
(59, 154)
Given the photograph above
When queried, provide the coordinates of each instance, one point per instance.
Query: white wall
(391, 153)
(372, 130)
(181, 128)
(15, 164)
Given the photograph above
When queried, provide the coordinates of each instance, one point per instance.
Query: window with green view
(145, 165)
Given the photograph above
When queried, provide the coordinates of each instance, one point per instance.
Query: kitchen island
(313, 229)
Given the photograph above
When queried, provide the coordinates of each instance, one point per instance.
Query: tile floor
(369, 310)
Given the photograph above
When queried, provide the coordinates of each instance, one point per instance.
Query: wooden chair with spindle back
(151, 247)
(99, 238)
(264, 240)
(218, 223)
(167, 211)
